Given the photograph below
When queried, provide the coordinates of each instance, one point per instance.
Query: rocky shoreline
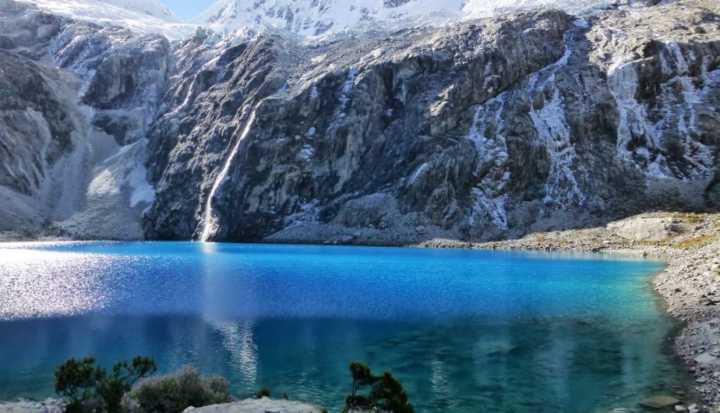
(690, 284)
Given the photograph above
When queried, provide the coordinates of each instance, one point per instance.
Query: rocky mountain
(480, 129)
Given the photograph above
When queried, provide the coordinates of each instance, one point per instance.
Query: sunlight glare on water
(74, 288)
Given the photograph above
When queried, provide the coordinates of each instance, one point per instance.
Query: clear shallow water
(465, 331)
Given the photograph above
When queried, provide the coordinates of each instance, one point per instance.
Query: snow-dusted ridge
(312, 20)
(317, 19)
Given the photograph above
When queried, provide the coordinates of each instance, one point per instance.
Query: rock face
(78, 101)
(480, 130)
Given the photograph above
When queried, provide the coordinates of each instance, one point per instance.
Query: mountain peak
(314, 18)
(318, 18)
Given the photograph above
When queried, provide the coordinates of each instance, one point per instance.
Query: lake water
(464, 331)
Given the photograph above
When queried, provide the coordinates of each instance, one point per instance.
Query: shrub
(263, 392)
(89, 388)
(386, 392)
(176, 392)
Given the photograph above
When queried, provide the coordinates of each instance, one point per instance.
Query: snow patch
(553, 131)
(140, 16)
(418, 172)
(674, 112)
(306, 153)
(124, 172)
(552, 128)
(315, 20)
(486, 133)
(347, 89)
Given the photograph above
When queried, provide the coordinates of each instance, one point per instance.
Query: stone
(659, 402)
(706, 358)
(263, 405)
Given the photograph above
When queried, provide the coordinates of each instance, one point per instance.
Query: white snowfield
(140, 16)
(309, 19)
(319, 18)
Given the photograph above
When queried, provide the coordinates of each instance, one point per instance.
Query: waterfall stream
(210, 222)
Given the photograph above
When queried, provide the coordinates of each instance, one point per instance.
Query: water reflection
(541, 365)
(463, 331)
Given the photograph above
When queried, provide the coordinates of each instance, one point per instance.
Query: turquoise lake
(463, 330)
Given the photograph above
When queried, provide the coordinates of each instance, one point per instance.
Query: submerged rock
(659, 402)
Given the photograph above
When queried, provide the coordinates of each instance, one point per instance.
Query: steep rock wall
(481, 130)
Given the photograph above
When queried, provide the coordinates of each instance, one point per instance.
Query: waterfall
(210, 222)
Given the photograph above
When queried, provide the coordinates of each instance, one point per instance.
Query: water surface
(465, 331)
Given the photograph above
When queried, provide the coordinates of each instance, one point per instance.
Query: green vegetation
(264, 392)
(90, 388)
(176, 392)
(696, 242)
(385, 394)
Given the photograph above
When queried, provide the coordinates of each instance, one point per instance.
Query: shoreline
(689, 285)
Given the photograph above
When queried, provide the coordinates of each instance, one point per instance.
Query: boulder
(263, 405)
(659, 402)
(645, 228)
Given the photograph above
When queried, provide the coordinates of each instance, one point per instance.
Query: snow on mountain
(312, 18)
(315, 18)
(141, 16)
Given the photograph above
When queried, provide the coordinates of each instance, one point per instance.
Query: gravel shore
(690, 284)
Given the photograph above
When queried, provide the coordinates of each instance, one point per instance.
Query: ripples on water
(464, 330)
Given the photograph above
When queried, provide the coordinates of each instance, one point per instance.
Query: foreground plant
(386, 393)
(89, 388)
(176, 392)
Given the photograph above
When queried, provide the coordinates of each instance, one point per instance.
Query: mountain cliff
(479, 129)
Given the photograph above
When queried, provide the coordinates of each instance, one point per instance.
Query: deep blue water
(465, 331)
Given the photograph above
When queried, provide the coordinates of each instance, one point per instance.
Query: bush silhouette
(90, 388)
(176, 392)
(386, 393)
(263, 392)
